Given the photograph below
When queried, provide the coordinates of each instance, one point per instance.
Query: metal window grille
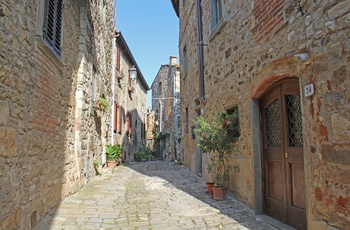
(273, 126)
(295, 132)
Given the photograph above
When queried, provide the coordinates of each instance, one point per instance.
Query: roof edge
(120, 39)
(175, 4)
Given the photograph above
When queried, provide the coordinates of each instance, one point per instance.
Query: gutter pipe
(200, 52)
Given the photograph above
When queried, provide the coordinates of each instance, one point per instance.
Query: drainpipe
(113, 88)
(200, 52)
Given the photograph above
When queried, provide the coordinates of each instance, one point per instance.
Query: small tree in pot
(217, 138)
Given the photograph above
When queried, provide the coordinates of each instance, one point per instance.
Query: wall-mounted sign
(309, 90)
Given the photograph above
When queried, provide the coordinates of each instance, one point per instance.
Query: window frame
(186, 120)
(216, 13)
(184, 54)
(118, 118)
(53, 34)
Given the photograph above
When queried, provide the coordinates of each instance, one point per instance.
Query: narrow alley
(149, 195)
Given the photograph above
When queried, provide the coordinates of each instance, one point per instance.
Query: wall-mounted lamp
(133, 73)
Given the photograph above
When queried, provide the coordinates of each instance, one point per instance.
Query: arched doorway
(282, 160)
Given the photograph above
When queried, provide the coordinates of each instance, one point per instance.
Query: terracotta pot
(118, 161)
(210, 188)
(219, 193)
(111, 164)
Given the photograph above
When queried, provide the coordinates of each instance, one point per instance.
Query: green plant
(230, 122)
(159, 135)
(215, 138)
(102, 103)
(96, 165)
(138, 156)
(113, 152)
(146, 154)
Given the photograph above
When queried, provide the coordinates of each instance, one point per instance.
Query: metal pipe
(113, 89)
(200, 51)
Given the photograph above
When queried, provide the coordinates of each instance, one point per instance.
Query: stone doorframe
(257, 138)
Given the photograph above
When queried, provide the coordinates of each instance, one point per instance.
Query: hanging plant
(101, 104)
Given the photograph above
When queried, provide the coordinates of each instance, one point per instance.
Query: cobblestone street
(149, 195)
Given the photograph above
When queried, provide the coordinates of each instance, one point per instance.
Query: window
(186, 120)
(129, 124)
(93, 83)
(118, 118)
(185, 59)
(143, 128)
(117, 54)
(52, 31)
(160, 88)
(216, 12)
(233, 129)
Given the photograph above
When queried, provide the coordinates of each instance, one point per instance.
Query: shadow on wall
(133, 134)
(40, 160)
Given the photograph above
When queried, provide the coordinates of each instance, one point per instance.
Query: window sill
(217, 29)
(41, 44)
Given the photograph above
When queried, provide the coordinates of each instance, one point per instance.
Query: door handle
(286, 155)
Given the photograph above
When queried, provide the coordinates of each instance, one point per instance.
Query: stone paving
(149, 195)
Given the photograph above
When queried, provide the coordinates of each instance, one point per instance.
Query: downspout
(200, 45)
(114, 40)
(113, 87)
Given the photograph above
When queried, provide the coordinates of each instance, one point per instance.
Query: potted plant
(113, 155)
(216, 139)
(101, 105)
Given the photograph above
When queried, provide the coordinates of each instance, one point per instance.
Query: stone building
(151, 115)
(53, 65)
(284, 65)
(130, 95)
(166, 105)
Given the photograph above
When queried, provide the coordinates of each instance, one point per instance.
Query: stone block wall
(45, 106)
(166, 105)
(131, 95)
(253, 47)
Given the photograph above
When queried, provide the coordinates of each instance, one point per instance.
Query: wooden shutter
(52, 31)
(117, 54)
(115, 118)
(129, 124)
(129, 78)
(120, 119)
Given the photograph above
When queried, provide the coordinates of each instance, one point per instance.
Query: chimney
(173, 60)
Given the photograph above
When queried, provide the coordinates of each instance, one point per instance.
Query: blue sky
(151, 30)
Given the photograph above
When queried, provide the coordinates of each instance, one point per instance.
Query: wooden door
(283, 163)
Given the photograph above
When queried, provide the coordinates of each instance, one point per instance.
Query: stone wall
(131, 95)
(253, 47)
(48, 133)
(166, 105)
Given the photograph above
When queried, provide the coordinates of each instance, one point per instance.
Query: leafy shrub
(113, 152)
(147, 155)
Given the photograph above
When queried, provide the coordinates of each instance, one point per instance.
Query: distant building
(130, 98)
(150, 127)
(166, 105)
